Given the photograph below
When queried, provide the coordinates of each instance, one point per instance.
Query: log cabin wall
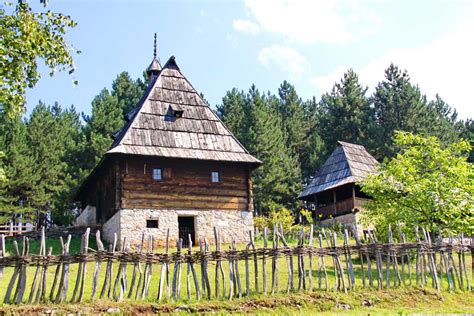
(186, 184)
(102, 191)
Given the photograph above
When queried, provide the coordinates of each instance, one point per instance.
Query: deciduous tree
(425, 184)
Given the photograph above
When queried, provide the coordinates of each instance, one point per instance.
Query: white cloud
(325, 83)
(246, 26)
(286, 59)
(310, 21)
(444, 66)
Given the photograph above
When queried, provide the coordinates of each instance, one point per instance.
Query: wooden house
(174, 165)
(333, 191)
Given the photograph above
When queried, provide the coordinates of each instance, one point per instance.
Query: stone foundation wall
(87, 218)
(345, 220)
(131, 223)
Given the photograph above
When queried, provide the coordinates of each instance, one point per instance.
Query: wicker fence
(440, 264)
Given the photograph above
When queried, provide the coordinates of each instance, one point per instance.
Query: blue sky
(224, 44)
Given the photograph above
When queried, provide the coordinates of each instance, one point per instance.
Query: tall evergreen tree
(293, 119)
(236, 114)
(398, 105)
(277, 181)
(105, 119)
(314, 145)
(52, 133)
(345, 114)
(19, 165)
(127, 91)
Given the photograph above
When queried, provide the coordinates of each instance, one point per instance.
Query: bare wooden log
(289, 261)
(136, 268)
(463, 264)
(41, 295)
(349, 263)
(206, 286)
(264, 260)
(219, 268)
(38, 267)
(232, 286)
(322, 266)
(361, 255)
(275, 260)
(164, 269)
(148, 268)
(84, 264)
(310, 257)
(98, 263)
(208, 283)
(176, 283)
(193, 271)
(57, 272)
(64, 282)
(301, 268)
(79, 273)
(255, 260)
(21, 287)
(107, 285)
(2, 253)
(247, 272)
(15, 275)
(339, 264)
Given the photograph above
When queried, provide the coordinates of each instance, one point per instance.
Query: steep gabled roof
(348, 163)
(153, 130)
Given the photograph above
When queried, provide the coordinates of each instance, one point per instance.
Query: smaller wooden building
(333, 192)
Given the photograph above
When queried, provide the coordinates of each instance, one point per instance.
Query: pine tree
(442, 121)
(293, 119)
(106, 118)
(235, 113)
(315, 146)
(52, 133)
(127, 91)
(278, 180)
(398, 105)
(345, 114)
(19, 165)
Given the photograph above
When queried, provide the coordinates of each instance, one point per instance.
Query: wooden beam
(353, 197)
(334, 200)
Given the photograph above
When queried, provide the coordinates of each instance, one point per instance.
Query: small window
(151, 223)
(158, 174)
(215, 177)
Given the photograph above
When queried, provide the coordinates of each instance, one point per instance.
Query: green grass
(401, 299)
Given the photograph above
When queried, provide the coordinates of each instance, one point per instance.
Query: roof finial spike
(154, 48)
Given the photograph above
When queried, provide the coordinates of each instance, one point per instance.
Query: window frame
(219, 177)
(153, 174)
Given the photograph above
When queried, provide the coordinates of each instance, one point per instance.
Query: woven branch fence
(364, 263)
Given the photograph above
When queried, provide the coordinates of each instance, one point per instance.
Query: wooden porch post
(334, 200)
(353, 197)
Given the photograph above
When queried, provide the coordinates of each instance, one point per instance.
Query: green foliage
(346, 114)
(38, 161)
(426, 184)
(255, 120)
(107, 117)
(27, 37)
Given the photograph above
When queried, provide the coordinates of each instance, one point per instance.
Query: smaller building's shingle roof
(348, 163)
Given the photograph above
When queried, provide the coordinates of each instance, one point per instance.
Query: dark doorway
(186, 228)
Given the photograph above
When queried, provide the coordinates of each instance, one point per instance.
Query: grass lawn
(360, 300)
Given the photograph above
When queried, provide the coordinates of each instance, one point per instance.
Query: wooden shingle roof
(153, 130)
(348, 163)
